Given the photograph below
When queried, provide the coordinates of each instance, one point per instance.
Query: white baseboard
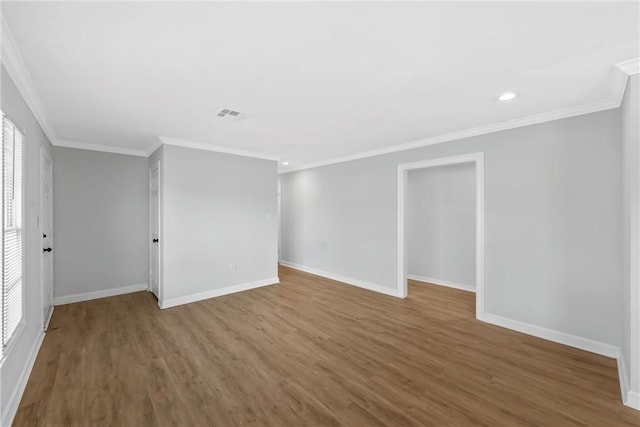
(446, 283)
(630, 398)
(46, 324)
(553, 335)
(167, 303)
(348, 280)
(16, 396)
(87, 296)
(622, 376)
(633, 400)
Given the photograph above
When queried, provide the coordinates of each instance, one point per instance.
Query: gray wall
(631, 222)
(215, 213)
(552, 221)
(441, 224)
(15, 107)
(100, 221)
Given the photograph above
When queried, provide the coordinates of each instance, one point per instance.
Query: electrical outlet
(269, 216)
(232, 266)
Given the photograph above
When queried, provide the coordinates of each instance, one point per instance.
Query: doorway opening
(46, 229)
(155, 284)
(402, 261)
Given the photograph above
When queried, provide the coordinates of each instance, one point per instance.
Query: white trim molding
(217, 148)
(586, 344)
(564, 113)
(17, 69)
(187, 299)
(627, 373)
(401, 265)
(630, 397)
(88, 296)
(621, 72)
(622, 377)
(633, 400)
(439, 282)
(629, 67)
(16, 396)
(619, 85)
(46, 323)
(97, 147)
(151, 148)
(340, 278)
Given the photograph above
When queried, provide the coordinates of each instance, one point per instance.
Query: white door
(279, 222)
(46, 227)
(154, 211)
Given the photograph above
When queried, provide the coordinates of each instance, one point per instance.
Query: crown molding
(618, 84)
(153, 146)
(629, 67)
(98, 147)
(622, 72)
(564, 113)
(217, 148)
(14, 64)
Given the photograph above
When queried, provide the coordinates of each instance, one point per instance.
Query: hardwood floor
(310, 351)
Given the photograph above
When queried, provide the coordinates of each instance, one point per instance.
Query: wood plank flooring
(310, 351)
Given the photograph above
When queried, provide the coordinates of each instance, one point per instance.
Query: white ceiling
(319, 80)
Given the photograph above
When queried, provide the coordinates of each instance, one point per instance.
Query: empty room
(328, 213)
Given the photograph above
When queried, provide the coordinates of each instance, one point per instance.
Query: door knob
(47, 250)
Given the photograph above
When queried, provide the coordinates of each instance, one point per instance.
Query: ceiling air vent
(231, 114)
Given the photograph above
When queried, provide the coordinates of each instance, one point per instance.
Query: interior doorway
(154, 213)
(279, 221)
(46, 228)
(478, 160)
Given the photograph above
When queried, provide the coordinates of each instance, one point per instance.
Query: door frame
(152, 167)
(401, 266)
(44, 154)
(279, 221)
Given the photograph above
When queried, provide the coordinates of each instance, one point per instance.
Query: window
(12, 231)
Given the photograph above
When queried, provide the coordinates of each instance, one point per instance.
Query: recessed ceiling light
(285, 163)
(507, 96)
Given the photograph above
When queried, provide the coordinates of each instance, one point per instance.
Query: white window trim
(14, 338)
(17, 333)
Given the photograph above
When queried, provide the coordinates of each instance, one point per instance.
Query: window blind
(12, 231)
